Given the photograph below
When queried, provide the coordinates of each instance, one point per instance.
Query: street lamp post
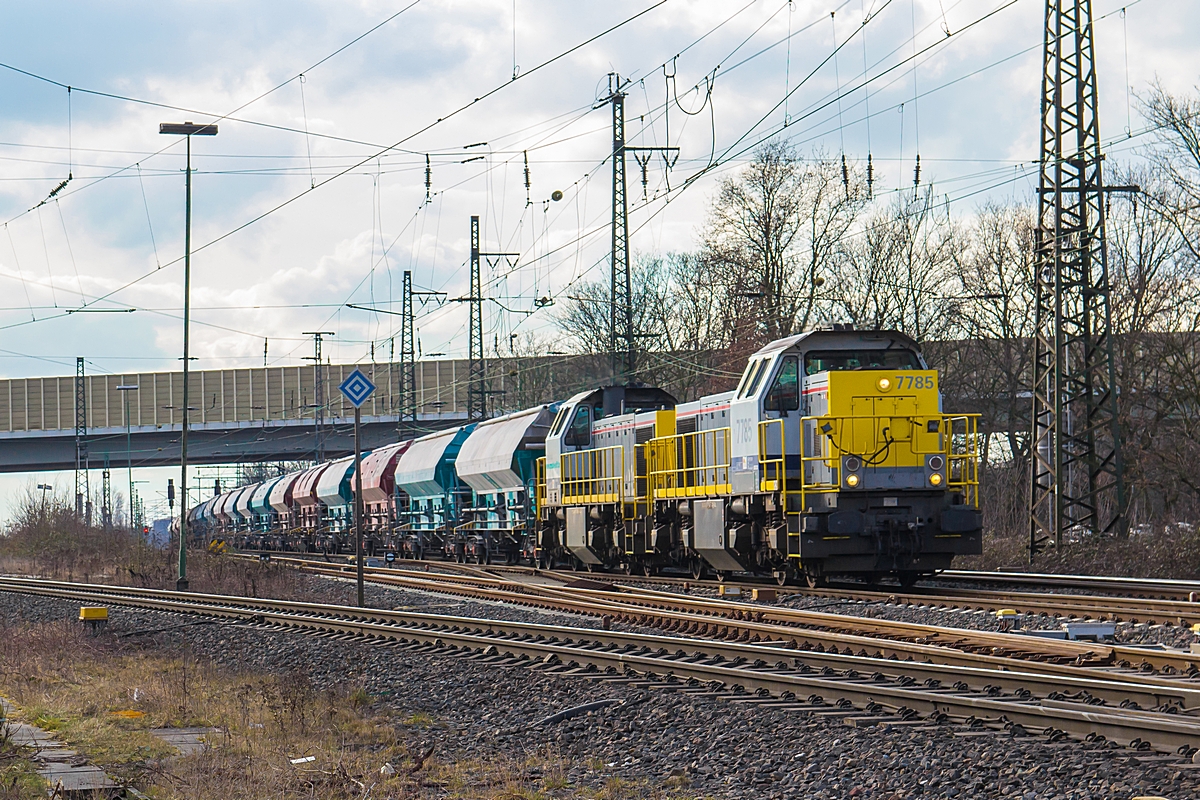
(45, 487)
(188, 130)
(125, 390)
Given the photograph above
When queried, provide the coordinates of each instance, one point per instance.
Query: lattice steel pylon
(622, 330)
(477, 383)
(1077, 482)
(318, 394)
(83, 499)
(476, 368)
(106, 507)
(623, 342)
(408, 359)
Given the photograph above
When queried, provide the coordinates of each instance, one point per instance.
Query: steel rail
(634, 654)
(1148, 586)
(1179, 611)
(814, 627)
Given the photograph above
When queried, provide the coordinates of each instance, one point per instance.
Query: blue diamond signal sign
(357, 388)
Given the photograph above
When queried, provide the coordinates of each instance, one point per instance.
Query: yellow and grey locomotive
(832, 456)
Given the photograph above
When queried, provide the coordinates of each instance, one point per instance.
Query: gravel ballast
(703, 746)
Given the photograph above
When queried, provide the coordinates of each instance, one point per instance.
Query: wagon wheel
(783, 576)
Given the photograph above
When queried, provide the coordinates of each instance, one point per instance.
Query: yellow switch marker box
(93, 613)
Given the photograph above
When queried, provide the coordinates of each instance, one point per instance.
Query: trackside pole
(357, 388)
(358, 504)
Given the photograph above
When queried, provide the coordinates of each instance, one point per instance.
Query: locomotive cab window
(836, 360)
(753, 365)
(580, 432)
(784, 394)
(559, 421)
(756, 377)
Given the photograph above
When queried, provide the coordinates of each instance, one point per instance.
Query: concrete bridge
(237, 415)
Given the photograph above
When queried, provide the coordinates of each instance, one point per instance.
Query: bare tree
(1176, 158)
(775, 234)
(987, 367)
(899, 272)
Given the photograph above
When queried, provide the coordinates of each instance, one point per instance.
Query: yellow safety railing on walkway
(539, 483)
(962, 455)
(593, 476)
(689, 464)
(879, 442)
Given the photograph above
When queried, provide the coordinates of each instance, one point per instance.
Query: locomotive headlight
(935, 479)
(852, 481)
(884, 384)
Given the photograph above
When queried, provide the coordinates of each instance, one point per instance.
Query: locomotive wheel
(697, 568)
(783, 576)
(908, 579)
(814, 581)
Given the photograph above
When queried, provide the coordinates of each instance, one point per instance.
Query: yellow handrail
(539, 486)
(962, 455)
(956, 438)
(593, 476)
(689, 464)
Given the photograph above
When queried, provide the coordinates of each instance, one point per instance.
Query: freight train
(832, 456)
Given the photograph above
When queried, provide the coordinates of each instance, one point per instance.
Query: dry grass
(136, 564)
(45, 538)
(18, 778)
(69, 682)
(1170, 552)
(1162, 548)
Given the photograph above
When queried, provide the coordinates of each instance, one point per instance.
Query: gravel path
(702, 746)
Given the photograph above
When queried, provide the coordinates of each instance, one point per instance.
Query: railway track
(1170, 603)
(863, 690)
(814, 630)
(1159, 588)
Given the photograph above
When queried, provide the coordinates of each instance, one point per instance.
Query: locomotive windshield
(834, 360)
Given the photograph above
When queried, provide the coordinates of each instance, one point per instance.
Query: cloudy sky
(276, 256)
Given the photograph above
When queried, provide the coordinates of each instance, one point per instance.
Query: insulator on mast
(429, 178)
(525, 154)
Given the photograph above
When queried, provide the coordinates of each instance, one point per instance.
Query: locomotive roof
(839, 340)
(634, 398)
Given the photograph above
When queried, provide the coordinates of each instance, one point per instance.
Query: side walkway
(68, 773)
